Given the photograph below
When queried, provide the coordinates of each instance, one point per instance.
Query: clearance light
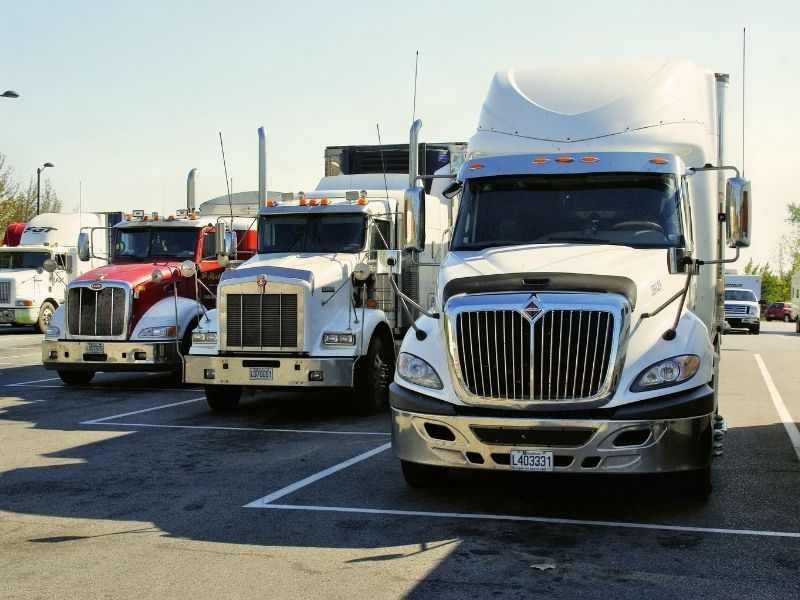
(362, 197)
(313, 202)
(590, 159)
(372, 303)
(171, 218)
(193, 216)
(302, 199)
(140, 288)
(325, 202)
(540, 161)
(565, 159)
(272, 203)
(659, 161)
(475, 166)
(128, 218)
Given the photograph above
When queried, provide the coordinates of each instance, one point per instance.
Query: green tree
(19, 205)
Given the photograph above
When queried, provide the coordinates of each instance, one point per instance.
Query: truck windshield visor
(22, 260)
(628, 209)
(330, 233)
(155, 243)
(741, 295)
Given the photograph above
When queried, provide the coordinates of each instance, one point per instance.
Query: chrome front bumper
(285, 371)
(580, 445)
(116, 356)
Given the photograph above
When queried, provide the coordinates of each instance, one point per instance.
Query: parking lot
(131, 487)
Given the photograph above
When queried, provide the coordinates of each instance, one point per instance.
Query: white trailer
(34, 275)
(317, 307)
(581, 300)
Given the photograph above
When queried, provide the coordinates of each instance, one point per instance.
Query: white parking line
(786, 418)
(265, 429)
(22, 355)
(138, 412)
(22, 383)
(527, 519)
(263, 502)
(104, 389)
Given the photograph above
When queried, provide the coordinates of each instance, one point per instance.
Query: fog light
(140, 356)
(316, 375)
(209, 374)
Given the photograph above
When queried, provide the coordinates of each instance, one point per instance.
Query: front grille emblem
(97, 286)
(261, 282)
(532, 309)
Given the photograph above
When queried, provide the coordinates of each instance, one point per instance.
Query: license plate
(531, 460)
(262, 373)
(94, 347)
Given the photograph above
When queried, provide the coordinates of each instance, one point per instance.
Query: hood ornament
(261, 282)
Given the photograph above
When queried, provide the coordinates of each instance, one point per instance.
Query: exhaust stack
(190, 194)
(413, 154)
(262, 167)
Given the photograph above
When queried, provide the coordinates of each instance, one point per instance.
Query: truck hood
(133, 273)
(318, 269)
(644, 269)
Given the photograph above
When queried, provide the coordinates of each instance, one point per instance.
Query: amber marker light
(372, 303)
(565, 159)
(590, 159)
(540, 161)
(325, 202)
(659, 161)
(272, 203)
(303, 201)
(475, 166)
(313, 202)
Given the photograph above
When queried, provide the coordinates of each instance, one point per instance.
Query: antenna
(744, 64)
(414, 105)
(227, 182)
(383, 163)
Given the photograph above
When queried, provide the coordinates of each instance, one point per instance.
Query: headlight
(158, 332)
(339, 339)
(671, 371)
(52, 331)
(415, 370)
(23, 303)
(204, 337)
(753, 310)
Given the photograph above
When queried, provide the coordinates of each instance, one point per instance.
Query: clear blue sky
(126, 97)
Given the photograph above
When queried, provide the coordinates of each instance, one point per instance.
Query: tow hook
(720, 429)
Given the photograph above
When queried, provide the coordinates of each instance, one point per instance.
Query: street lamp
(9, 94)
(39, 182)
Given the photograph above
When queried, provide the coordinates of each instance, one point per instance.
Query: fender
(372, 318)
(433, 351)
(162, 313)
(58, 320)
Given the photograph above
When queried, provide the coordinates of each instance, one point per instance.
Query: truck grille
(735, 309)
(261, 320)
(96, 313)
(563, 355)
(5, 292)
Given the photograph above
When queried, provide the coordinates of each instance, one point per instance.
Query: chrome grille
(562, 355)
(735, 309)
(261, 320)
(96, 313)
(5, 292)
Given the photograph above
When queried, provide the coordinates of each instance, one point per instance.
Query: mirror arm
(710, 168)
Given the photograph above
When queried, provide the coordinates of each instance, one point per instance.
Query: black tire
(223, 398)
(786, 318)
(45, 316)
(422, 476)
(76, 377)
(769, 319)
(755, 329)
(373, 375)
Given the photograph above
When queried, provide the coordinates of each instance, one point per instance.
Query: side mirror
(452, 190)
(49, 265)
(83, 246)
(738, 202)
(188, 269)
(414, 218)
(675, 260)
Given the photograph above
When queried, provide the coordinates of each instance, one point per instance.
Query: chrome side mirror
(414, 218)
(188, 269)
(49, 265)
(83, 246)
(738, 203)
(675, 260)
(452, 190)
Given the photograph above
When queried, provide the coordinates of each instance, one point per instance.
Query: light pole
(9, 94)
(39, 183)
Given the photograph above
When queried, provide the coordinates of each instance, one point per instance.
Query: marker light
(659, 161)
(272, 203)
(302, 199)
(475, 166)
(362, 197)
(540, 161)
(590, 159)
(313, 202)
(372, 303)
(325, 202)
(565, 159)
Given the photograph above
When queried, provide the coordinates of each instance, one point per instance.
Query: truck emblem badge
(532, 309)
(96, 286)
(261, 282)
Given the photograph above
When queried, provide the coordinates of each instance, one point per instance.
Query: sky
(124, 98)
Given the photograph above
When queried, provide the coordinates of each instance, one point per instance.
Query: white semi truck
(581, 300)
(28, 294)
(317, 307)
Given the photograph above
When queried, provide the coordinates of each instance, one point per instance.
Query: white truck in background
(742, 302)
(317, 307)
(34, 275)
(582, 297)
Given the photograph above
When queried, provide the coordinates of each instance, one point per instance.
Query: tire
(223, 398)
(786, 318)
(45, 316)
(769, 319)
(422, 476)
(373, 375)
(755, 329)
(76, 377)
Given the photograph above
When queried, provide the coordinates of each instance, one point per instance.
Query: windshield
(741, 295)
(311, 233)
(158, 242)
(629, 209)
(22, 260)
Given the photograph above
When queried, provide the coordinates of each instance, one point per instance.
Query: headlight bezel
(204, 338)
(52, 331)
(687, 366)
(429, 379)
(335, 338)
(159, 332)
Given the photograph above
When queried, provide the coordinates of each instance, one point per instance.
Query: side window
(61, 260)
(209, 245)
(382, 236)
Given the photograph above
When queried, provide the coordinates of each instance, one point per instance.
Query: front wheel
(76, 377)
(223, 398)
(755, 329)
(45, 316)
(373, 375)
(422, 476)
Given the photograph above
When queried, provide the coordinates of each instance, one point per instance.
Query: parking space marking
(22, 355)
(786, 418)
(102, 389)
(265, 429)
(22, 383)
(528, 519)
(264, 502)
(138, 412)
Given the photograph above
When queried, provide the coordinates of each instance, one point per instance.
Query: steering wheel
(638, 225)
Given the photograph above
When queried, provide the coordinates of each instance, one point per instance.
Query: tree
(19, 206)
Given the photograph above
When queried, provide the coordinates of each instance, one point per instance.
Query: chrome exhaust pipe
(413, 154)
(190, 190)
(262, 167)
